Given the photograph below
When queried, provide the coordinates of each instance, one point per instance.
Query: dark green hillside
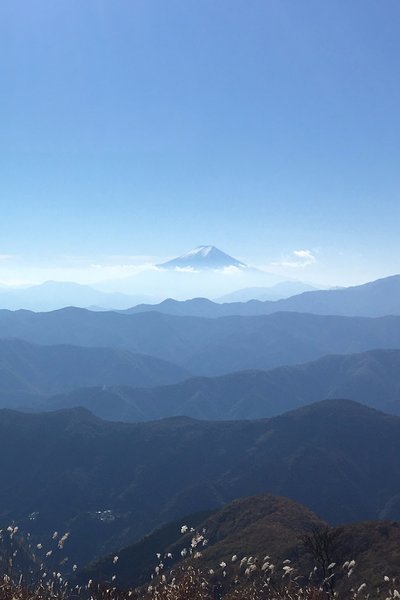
(337, 457)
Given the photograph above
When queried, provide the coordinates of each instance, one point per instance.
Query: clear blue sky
(147, 127)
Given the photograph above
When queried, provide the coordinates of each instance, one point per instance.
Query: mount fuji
(201, 259)
(205, 271)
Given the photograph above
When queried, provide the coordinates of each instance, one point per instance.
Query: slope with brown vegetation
(250, 532)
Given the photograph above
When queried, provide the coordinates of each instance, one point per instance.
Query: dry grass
(26, 576)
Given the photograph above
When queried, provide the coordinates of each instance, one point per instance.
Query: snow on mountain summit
(199, 251)
(201, 258)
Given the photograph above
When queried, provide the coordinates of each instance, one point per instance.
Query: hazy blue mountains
(208, 346)
(53, 295)
(28, 370)
(373, 299)
(372, 378)
(284, 289)
(205, 265)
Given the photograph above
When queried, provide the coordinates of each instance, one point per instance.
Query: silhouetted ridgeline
(372, 299)
(372, 378)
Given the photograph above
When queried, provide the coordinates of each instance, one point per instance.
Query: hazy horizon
(144, 275)
(134, 132)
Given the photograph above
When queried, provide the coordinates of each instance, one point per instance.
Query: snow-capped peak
(201, 258)
(199, 251)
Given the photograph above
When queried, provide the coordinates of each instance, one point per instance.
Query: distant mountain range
(208, 346)
(201, 269)
(31, 371)
(53, 295)
(373, 299)
(372, 378)
(111, 483)
(203, 258)
(285, 289)
(205, 268)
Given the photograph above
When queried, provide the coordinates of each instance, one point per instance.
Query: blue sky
(131, 131)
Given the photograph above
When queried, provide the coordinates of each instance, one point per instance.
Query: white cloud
(299, 259)
(183, 270)
(231, 270)
(307, 254)
(81, 269)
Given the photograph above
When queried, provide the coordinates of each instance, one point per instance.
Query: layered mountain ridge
(372, 299)
(371, 378)
(339, 458)
(34, 370)
(208, 346)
